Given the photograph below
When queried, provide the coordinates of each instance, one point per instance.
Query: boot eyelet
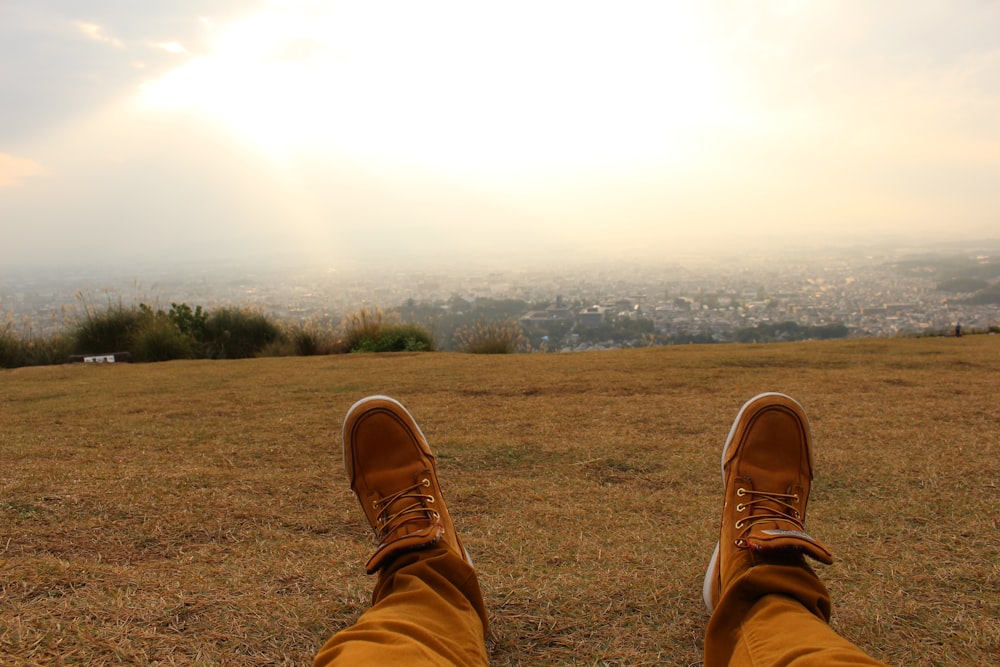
(740, 543)
(436, 515)
(739, 524)
(426, 482)
(430, 499)
(741, 492)
(740, 507)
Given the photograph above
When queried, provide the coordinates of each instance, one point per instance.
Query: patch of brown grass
(197, 512)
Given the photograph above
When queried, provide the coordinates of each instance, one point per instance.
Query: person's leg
(768, 606)
(427, 608)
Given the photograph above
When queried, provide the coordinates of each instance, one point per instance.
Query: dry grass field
(198, 513)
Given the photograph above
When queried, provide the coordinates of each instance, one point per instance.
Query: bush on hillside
(311, 338)
(147, 334)
(190, 322)
(371, 330)
(110, 330)
(362, 325)
(397, 338)
(498, 337)
(47, 351)
(301, 340)
(10, 347)
(159, 339)
(28, 349)
(238, 333)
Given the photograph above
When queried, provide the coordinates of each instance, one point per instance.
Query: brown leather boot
(766, 472)
(393, 473)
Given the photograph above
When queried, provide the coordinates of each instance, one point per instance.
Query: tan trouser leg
(427, 609)
(777, 614)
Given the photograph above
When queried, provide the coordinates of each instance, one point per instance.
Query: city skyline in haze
(397, 132)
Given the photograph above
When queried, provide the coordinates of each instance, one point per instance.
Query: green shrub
(30, 350)
(147, 334)
(110, 330)
(304, 342)
(159, 339)
(371, 330)
(189, 322)
(55, 349)
(361, 328)
(499, 337)
(238, 333)
(397, 338)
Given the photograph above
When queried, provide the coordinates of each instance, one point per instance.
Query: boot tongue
(403, 510)
(411, 524)
(774, 536)
(776, 533)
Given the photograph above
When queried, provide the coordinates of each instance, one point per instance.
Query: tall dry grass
(374, 330)
(492, 337)
(196, 512)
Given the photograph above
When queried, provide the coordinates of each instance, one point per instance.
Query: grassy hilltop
(197, 511)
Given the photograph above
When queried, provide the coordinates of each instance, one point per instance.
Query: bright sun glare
(475, 89)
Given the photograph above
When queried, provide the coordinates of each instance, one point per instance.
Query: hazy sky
(376, 131)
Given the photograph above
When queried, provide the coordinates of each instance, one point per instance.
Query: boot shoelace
(388, 521)
(775, 506)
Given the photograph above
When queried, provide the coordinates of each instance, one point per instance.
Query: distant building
(591, 317)
(538, 319)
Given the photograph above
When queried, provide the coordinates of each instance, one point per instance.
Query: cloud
(170, 47)
(227, 126)
(97, 33)
(13, 170)
(63, 60)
